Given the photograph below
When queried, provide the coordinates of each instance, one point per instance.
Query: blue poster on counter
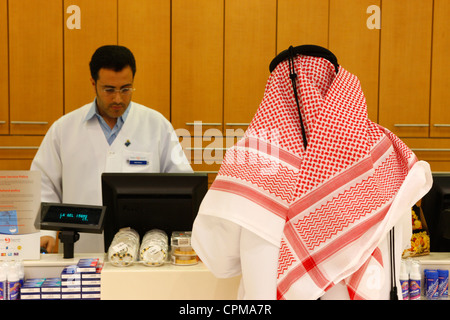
(8, 222)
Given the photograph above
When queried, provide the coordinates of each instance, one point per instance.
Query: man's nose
(117, 98)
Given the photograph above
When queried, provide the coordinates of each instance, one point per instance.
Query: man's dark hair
(111, 57)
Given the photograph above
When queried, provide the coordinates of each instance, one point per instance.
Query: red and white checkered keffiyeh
(331, 199)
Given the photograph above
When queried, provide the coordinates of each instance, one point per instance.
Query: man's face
(112, 104)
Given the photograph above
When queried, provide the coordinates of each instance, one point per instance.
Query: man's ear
(93, 82)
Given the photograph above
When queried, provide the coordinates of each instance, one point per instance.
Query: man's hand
(48, 243)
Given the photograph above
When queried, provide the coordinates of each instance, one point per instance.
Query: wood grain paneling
(440, 75)
(197, 62)
(36, 64)
(98, 27)
(144, 27)
(250, 36)
(405, 60)
(356, 46)
(4, 69)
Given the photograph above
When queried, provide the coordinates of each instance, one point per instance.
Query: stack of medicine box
(81, 281)
(41, 289)
(51, 289)
(31, 289)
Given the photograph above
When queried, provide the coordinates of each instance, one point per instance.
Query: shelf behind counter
(434, 260)
(139, 282)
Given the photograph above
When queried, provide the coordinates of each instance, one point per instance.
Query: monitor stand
(68, 238)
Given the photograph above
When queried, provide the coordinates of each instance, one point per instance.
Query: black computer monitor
(436, 210)
(145, 201)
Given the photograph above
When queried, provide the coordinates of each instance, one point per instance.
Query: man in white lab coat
(103, 136)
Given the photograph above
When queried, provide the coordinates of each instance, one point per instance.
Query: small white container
(184, 260)
(124, 248)
(154, 248)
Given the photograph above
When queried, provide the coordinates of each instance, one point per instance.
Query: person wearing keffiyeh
(315, 200)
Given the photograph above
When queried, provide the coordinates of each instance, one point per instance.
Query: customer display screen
(56, 216)
(73, 215)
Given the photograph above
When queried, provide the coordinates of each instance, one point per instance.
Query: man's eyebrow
(125, 85)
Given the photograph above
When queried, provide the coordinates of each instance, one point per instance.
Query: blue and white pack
(31, 289)
(51, 289)
(87, 265)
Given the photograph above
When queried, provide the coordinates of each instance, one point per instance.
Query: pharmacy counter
(139, 282)
(168, 281)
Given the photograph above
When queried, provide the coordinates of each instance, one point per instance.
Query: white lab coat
(74, 154)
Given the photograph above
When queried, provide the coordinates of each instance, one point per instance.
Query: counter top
(57, 259)
(51, 265)
(166, 282)
(140, 282)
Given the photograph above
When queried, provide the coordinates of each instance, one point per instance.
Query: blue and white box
(88, 265)
(82, 281)
(91, 284)
(51, 289)
(70, 283)
(31, 289)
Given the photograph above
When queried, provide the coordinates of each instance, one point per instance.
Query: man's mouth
(116, 106)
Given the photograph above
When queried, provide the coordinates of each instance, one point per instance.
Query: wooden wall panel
(302, 22)
(197, 63)
(144, 27)
(36, 64)
(356, 46)
(250, 34)
(440, 75)
(4, 74)
(16, 164)
(405, 59)
(19, 147)
(98, 27)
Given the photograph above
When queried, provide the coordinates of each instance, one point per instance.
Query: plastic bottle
(415, 282)
(443, 283)
(432, 284)
(20, 271)
(3, 286)
(404, 281)
(13, 283)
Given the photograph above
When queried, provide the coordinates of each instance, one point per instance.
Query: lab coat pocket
(138, 162)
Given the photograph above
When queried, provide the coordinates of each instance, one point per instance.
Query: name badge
(139, 161)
